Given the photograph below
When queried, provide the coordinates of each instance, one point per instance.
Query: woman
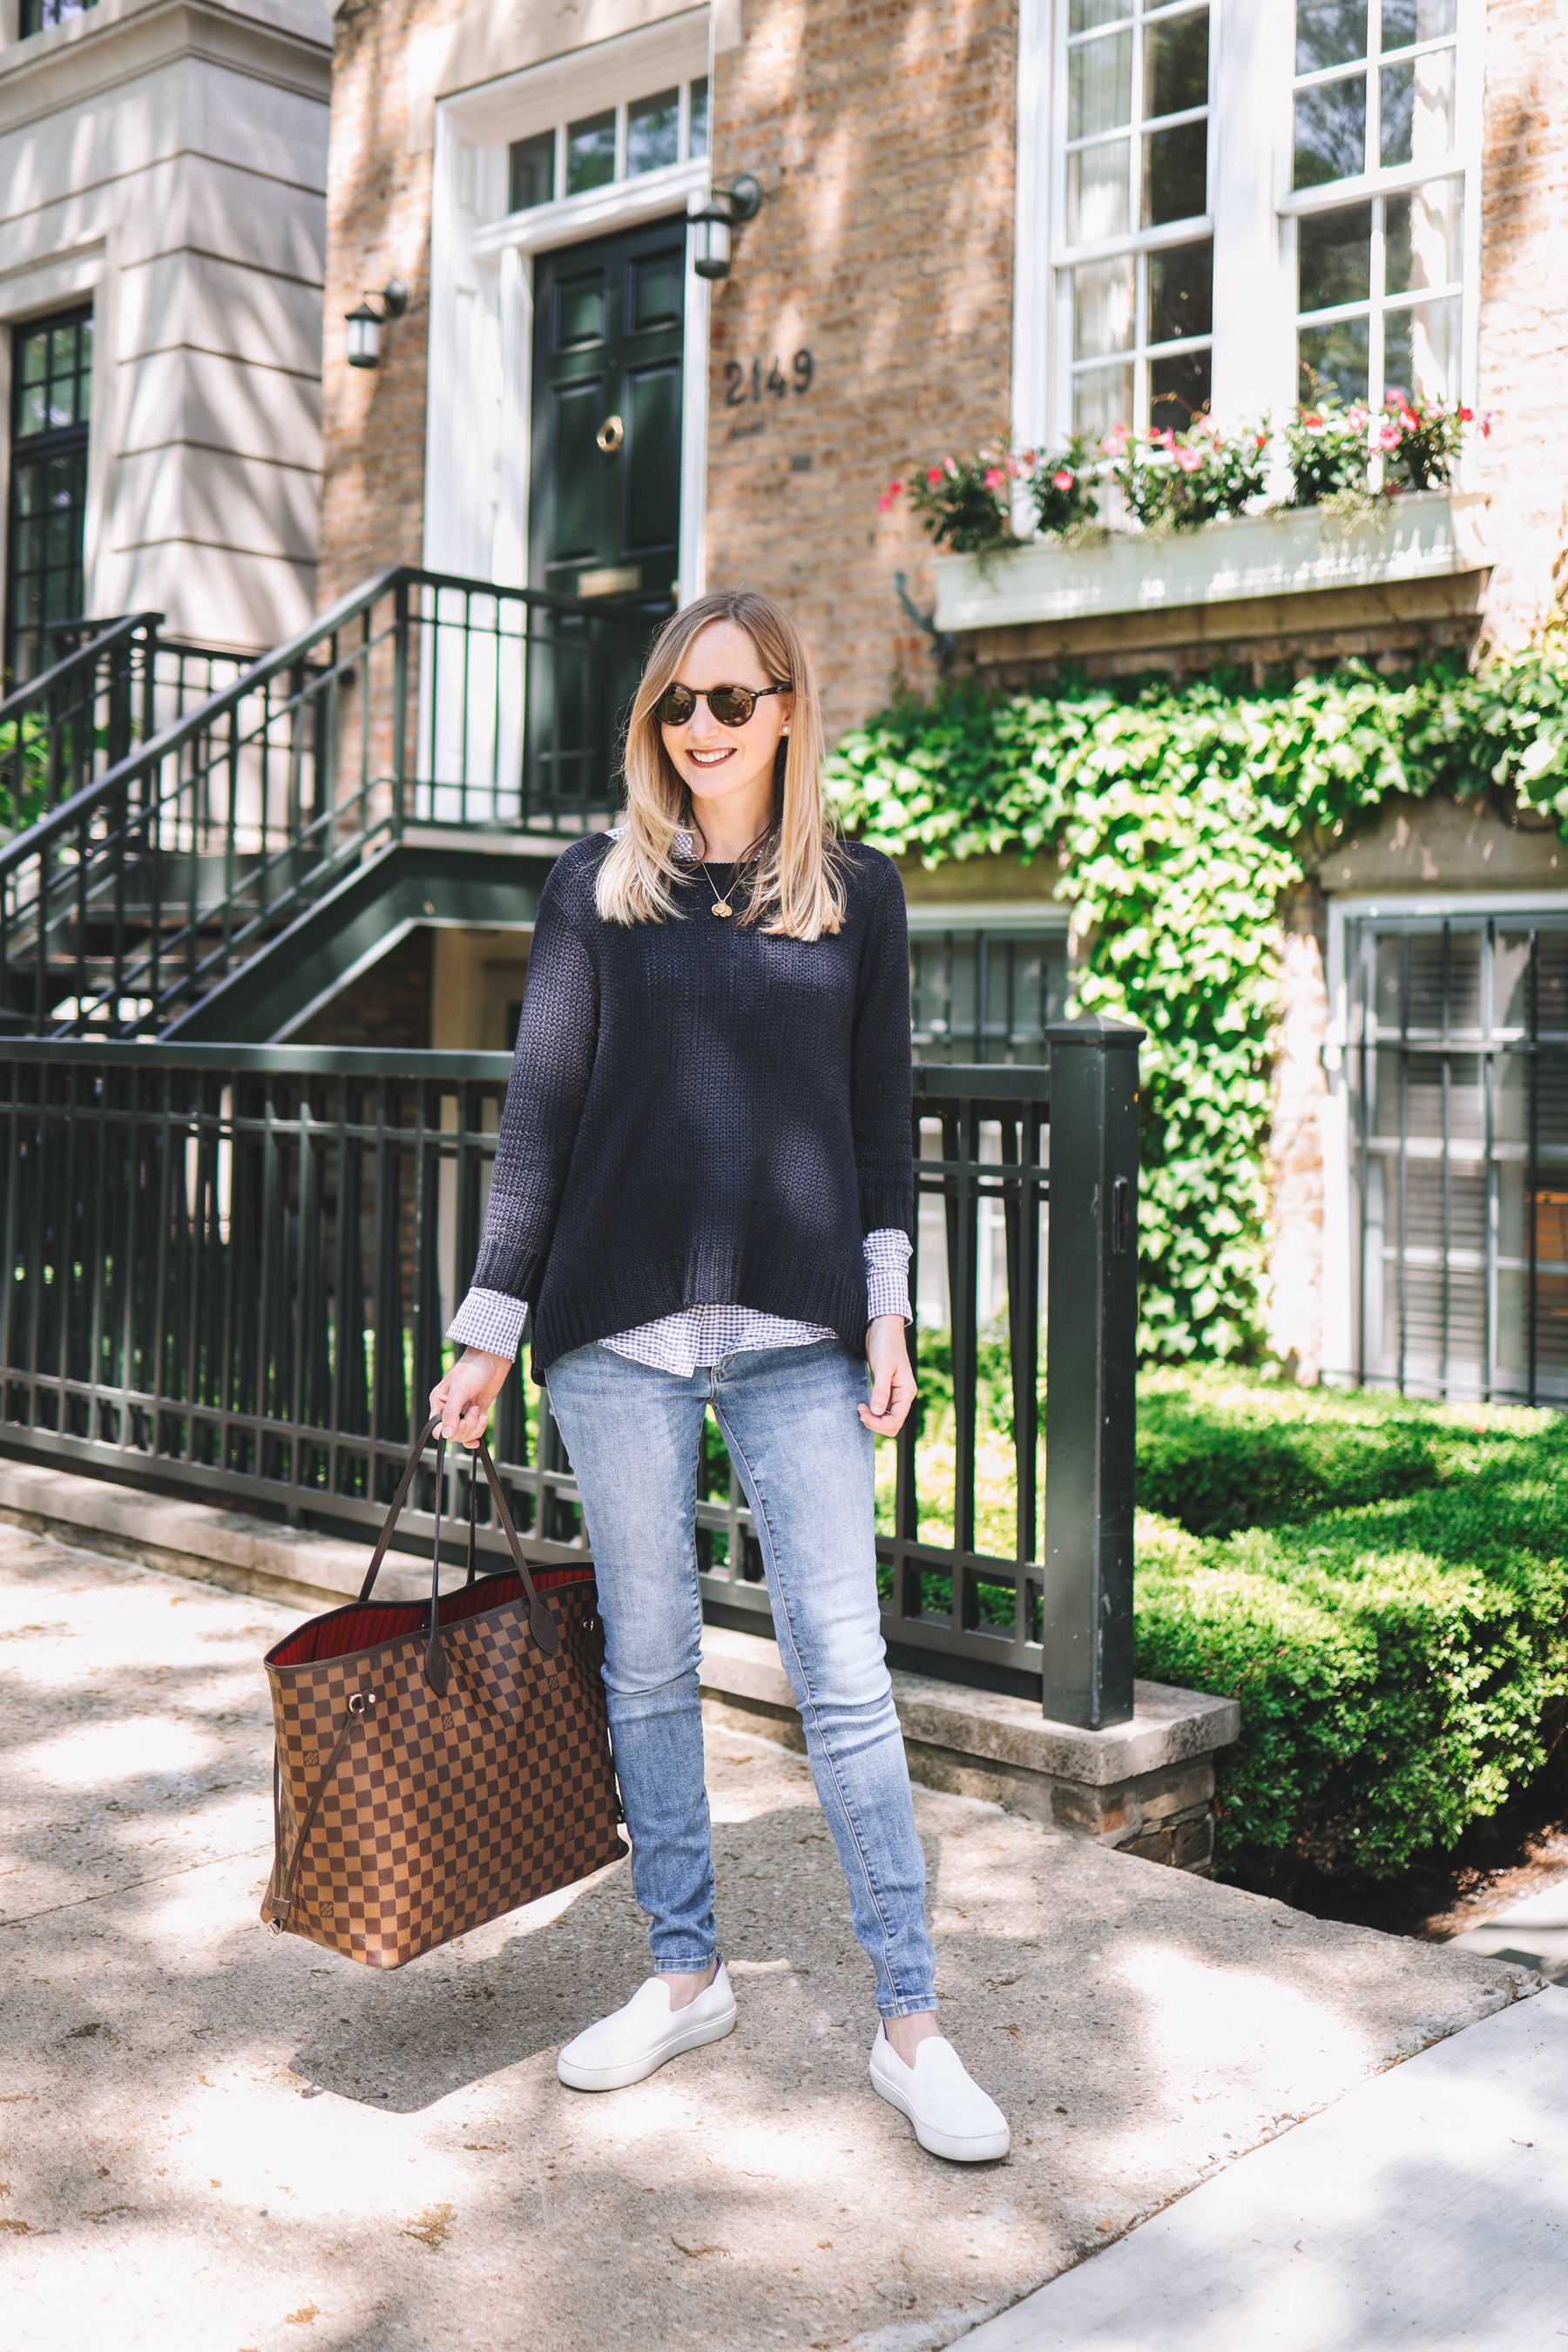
(703, 1187)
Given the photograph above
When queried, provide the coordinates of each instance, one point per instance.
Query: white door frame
(478, 409)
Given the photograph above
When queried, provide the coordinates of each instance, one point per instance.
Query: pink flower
(1161, 438)
(1189, 460)
(1313, 423)
(951, 464)
(1356, 416)
(1262, 440)
(890, 498)
(937, 474)
(996, 479)
(1389, 436)
(1062, 479)
(1115, 441)
(1466, 415)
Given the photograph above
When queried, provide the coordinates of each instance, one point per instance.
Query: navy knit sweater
(699, 1114)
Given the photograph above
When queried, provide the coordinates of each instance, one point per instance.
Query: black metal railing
(229, 1271)
(1457, 1070)
(419, 701)
(110, 686)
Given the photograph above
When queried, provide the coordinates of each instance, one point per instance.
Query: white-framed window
(1377, 199)
(1136, 283)
(616, 142)
(1223, 204)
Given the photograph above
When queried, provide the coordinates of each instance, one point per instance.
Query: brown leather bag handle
(541, 1622)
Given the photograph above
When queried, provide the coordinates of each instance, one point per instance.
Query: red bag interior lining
(363, 1623)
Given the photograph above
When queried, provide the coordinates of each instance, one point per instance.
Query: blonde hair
(797, 890)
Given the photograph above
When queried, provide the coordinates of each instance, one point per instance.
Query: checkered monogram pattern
(443, 1811)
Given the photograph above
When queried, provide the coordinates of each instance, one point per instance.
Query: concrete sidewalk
(209, 2136)
(1429, 2207)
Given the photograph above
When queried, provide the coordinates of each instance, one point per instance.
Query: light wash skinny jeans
(806, 1459)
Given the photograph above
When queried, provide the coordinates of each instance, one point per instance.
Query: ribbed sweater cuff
(491, 1320)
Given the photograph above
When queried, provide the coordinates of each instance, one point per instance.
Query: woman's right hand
(465, 1397)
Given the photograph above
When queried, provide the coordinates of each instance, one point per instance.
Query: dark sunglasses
(731, 704)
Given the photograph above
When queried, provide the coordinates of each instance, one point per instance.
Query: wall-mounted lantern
(364, 324)
(726, 209)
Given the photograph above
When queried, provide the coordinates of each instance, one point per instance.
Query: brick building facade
(952, 214)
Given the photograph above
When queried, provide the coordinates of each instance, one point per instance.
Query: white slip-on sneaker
(638, 2039)
(950, 2113)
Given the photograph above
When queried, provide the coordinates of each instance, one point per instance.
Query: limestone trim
(119, 41)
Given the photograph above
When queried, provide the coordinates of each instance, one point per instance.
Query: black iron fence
(1458, 1095)
(230, 1269)
(420, 700)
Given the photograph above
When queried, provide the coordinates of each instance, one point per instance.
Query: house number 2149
(741, 384)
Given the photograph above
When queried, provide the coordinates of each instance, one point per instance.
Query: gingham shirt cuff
(491, 1320)
(887, 1255)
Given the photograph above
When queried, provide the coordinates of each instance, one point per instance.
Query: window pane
(590, 153)
(1331, 359)
(653, 132)
(1334, 253)
(1421, 350)
(1175, 173)
(1099, 86)
(530, 172)
(1102, 308)
(1416, 20)
(1422, 237)
(1178, 389)
(1097, 193)
(1181, 292)
(1086, 15)
(1176, 65)
(1328, 32)
(1330, 131)
(700, 117)
(32, 412)
(1418, 109)
(35, 358)
(1103, 397)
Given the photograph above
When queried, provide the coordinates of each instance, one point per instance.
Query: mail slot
(616, 580)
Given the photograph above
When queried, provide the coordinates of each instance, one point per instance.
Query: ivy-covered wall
(1184, 818)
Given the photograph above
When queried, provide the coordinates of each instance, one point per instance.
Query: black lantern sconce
(726, 209)
(364, 324)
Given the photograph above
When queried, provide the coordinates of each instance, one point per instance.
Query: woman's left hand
(892, 1377)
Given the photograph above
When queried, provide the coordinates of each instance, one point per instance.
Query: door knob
(610, 435)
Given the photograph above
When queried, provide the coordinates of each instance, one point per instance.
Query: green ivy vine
(1183, 816)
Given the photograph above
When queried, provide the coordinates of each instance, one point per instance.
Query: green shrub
(1217, 1458)
(1400, 1664)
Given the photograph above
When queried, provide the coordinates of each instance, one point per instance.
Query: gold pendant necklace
(722, 906)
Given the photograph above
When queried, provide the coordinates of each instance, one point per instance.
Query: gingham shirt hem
(698, 1335)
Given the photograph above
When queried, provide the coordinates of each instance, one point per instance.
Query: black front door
(604, 498)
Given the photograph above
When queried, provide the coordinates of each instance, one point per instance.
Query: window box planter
(1421, 536)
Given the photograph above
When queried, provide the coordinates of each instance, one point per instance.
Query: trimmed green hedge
(1401, 1660)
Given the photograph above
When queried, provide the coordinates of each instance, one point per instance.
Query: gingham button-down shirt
(697, 1334)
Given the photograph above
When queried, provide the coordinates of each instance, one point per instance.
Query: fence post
(399, 706)
(1092, 1323)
